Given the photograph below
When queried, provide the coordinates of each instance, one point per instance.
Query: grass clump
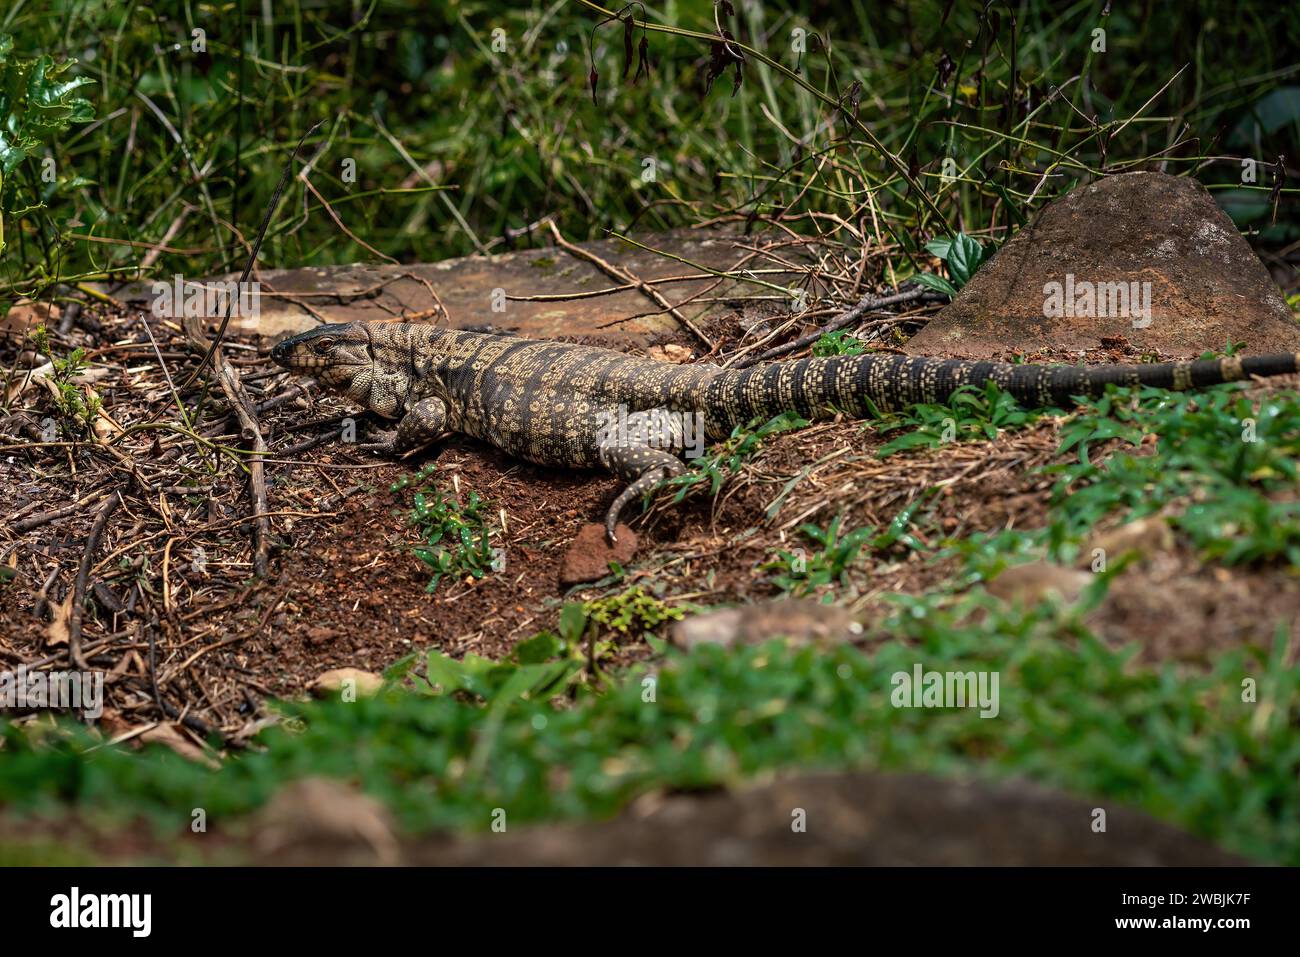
(1073, 713)
(454, 135)
(726, 458)
(970, 414)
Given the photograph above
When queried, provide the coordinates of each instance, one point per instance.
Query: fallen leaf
(671, 352)
(166, 734)
(60, 627)
(26, 315)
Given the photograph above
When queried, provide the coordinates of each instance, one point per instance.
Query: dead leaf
(26, 315)
(105, 428)
(166, 734)
(60, 627)
(670, 352)
(629, 26)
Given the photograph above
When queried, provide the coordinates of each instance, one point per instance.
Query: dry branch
(622, 275)
(866, 304)
(243, 408)
(83, 573)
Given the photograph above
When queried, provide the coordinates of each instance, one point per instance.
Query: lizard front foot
(385, 443)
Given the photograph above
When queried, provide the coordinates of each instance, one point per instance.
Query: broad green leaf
(1244, 206)
(964, 258)
(541, 647)
(445, 672)
(939, 247)
(937, 283)
(573, 621)
(1274, 110)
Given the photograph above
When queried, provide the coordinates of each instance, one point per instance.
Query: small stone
(332, 682)
(588, 558)
(1031, 583)
(802, 621)
(670, 352)
(1147, 536)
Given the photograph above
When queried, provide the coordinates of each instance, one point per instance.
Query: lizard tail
(819, 387)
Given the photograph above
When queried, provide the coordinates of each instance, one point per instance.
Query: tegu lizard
(578, 406)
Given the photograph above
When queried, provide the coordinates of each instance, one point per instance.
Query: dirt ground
(184, 629)
(190, 638)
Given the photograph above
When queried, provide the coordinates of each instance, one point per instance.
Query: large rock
(1206, 284)
(843, 819)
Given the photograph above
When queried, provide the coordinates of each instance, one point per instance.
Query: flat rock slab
(1206, 284)
(294, 300)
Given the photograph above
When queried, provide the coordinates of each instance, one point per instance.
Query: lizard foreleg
(424, 422)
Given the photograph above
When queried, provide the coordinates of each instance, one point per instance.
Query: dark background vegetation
(458, 147)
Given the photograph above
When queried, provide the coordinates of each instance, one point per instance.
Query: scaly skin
(553, 403)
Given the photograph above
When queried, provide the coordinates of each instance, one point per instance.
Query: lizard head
(333, 353)
(342, 356)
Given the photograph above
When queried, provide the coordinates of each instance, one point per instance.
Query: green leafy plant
(1075, 713)
(632, 611)
(802, 572)
(727, 458)
(970, 413)
(501, 681)
(1224, 468)
(839, 343)
(1223, 472)
(456, 539)
(77, 410)
(37, 103)
(962, 254)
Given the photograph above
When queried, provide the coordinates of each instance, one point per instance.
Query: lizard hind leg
(644, 468)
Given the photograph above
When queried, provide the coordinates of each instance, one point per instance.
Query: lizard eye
(323, 344)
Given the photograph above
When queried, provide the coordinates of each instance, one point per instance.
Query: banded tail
(816, 387)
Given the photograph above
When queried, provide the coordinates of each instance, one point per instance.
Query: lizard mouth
(314, 362)
(283, 354)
